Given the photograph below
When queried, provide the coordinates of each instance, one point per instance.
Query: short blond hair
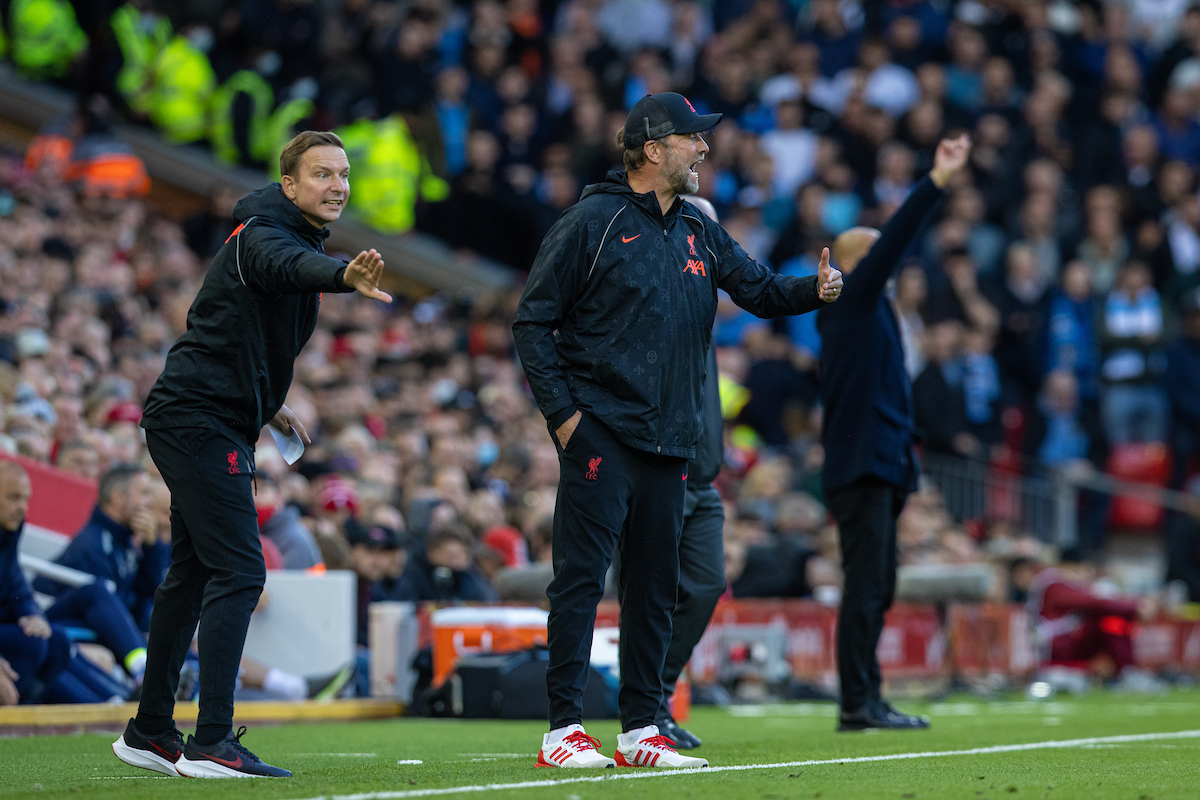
(301, 143)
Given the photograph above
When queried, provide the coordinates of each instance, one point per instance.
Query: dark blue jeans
(613, 497)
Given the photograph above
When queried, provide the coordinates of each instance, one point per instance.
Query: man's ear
(654, 151)
(289, 186)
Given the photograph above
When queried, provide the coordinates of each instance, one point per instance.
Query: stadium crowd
(1051, 310)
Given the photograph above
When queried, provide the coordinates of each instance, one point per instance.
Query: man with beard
(628, 278)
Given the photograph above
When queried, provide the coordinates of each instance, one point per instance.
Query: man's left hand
(35, 625)
(363, 273)
(829, 280)
(285, 422)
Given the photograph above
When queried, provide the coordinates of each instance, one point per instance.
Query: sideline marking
(1003, 748)
(340, 755)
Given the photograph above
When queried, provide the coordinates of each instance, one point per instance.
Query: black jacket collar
(617, 182)
(271, 203)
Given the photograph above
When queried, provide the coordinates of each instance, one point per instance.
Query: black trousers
(866, 513)
(612, 497)
(701, 580)
(217, 571)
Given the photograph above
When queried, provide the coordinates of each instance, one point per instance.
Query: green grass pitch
(1126, 756)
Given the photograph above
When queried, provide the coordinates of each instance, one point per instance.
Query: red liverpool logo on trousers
(233, 464)
(593, 465)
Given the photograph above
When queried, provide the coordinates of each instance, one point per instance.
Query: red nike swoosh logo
(685, 477)
(172, 756)
(630, 239)
(232, 764)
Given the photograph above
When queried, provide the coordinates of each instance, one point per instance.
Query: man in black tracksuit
(628, 278)
(870, 466)
(225, 379)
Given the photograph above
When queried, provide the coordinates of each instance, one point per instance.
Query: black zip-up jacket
(254, 313)
(632, 295)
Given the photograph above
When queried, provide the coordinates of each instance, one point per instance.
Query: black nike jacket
(632, 295)
(254, 313)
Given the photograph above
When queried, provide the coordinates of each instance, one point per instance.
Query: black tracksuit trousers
(217, 571)
(866, 513)
(701, 580)
(611, 497)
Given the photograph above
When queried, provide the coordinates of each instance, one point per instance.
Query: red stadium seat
(1137, 462)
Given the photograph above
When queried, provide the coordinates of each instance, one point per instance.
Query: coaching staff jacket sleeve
(866, 392)
(632, 294)
(253, 315)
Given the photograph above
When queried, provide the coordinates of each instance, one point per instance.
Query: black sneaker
(159, 753)
(683, 739)
(228, 758)
(879, 716)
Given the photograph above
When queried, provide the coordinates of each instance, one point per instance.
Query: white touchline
(1003, 748)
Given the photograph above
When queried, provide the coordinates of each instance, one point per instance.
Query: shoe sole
(143, 759)
(659, 765)
(855, 728)
(209, 769)
(543, 762)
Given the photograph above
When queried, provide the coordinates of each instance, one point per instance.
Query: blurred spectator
(79, 458)
(772, 569)
(792, 148)
(378, 557)
(1066, 434)
(1131, 337)
(981, 386)
(1074, 623)
(939, 399)
(1071, 337)
(911, 291)
(1019, 297)
(32, 652)
(444, 572)
(120, 544)
(280, 523)
(528, 582)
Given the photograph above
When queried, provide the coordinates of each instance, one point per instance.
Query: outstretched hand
(363, 273)
(829, 280)
(950, 157)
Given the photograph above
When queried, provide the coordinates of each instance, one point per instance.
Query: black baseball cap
(659, 115)
(373, 537)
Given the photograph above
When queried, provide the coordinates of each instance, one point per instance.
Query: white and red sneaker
(572, 747)
(644, 747)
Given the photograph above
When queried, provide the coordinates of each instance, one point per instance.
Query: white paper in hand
(290, 447)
